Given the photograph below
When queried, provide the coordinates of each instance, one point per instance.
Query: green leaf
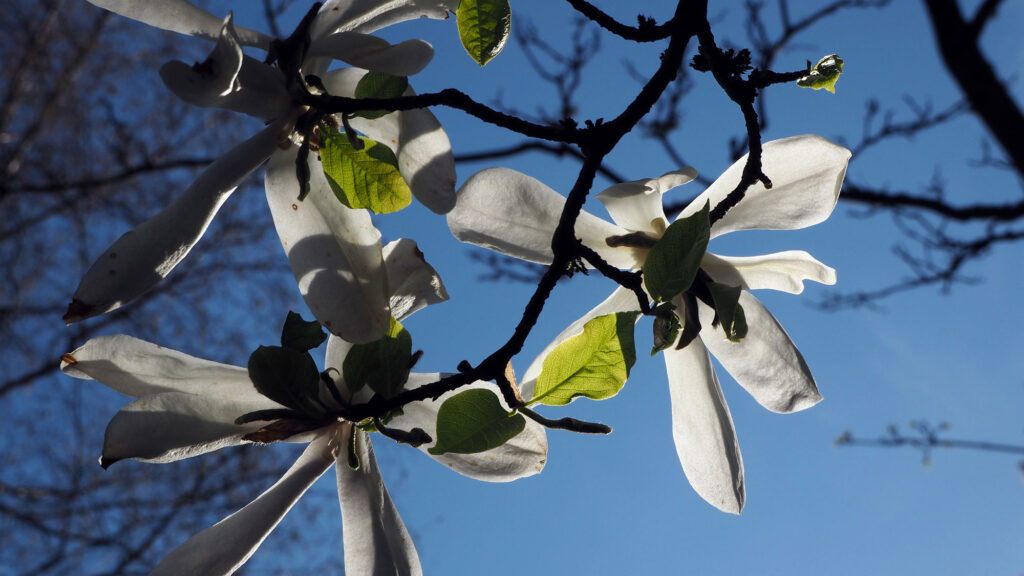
(382, 364)
(484, 27)
(594, 364)
(730, 313)
(824, 74)
(365, 178)
(301, 335)
(672, 263)
(379, 85)
(666, 329)
(474, 421)
(287, 376)
(691, 323)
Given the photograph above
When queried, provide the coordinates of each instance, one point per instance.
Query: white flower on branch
(351, 272)
(516, 215)
(186, 406)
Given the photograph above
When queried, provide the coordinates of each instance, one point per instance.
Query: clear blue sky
(620, 504)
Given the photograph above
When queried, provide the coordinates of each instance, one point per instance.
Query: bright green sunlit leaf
(474, 421)
(484, 27)
(365, 178)
(824, 74)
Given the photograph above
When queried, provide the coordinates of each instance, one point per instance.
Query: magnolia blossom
(335, 252)
(516, 215)
(187, 406)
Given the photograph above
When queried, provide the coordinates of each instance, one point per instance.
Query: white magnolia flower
(516, 215)
(187, 406)
(347, 263)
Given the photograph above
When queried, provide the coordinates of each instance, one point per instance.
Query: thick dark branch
(987, 94)
(984, 14)
(647, 31)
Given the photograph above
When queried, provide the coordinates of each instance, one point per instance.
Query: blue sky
(620, 504)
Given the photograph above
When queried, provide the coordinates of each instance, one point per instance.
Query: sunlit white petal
(637, 205)
(702, 428)
(370, 15)
(766, 362)
(785, 271)
(412, 282)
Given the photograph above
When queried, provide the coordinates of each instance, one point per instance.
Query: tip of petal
(77, 311)
(107, 462)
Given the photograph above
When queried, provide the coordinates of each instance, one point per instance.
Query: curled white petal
(370, 15)
(766, 362)
(637, 205)
(524, 455)
(373, 53)
(516, 215)
(222, 548)
(784, 271)
(335, 252)
(703, 430)
(807, 174)
(144, 256)
(179, 16)
(376, 540)
(412, 282)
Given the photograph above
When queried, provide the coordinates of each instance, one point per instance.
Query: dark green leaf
(730, 313)
(691, 323)
(379, 85)
(484, 27)
(382, 364)
(286, 376)
(666, 330)
(363, 178)
(474, 421)
(301, 335)
(593, 364)
(672, 263)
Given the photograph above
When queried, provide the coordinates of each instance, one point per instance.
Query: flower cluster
(361, 290)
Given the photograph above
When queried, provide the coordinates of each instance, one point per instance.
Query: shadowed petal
(376, 541)
(335, 252)
(766, 362)
(524, 455)
(222, 548)
(784, 271)
(181, 17)
(412, 282)
(370, 15)
(516, 215)
(144, 256)
(373, 53)
(806, 172)
(703, 430)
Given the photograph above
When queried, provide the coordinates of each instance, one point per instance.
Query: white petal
(335, 252)
(144, 256)
(766, 363)
(516, 215)
(370, 15)
(412, 282)
(171, 426)
(702, 428)
(373, 53)
(621, 300)
(784, 271)
(138, 368)
(424, 153)
(637, 205)
(179, 16)
(376, 541)
(806, 172)
(523, 455)
(222, 548)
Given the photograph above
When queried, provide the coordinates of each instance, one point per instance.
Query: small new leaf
(379, 85)
(382, 364)
(730, 313)
(474, 421)
(363, 178)
(666, 330)
(484, 27)
(593, 364)
(288, 377)
(824, 74)
(301, 335)
(672, 263)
